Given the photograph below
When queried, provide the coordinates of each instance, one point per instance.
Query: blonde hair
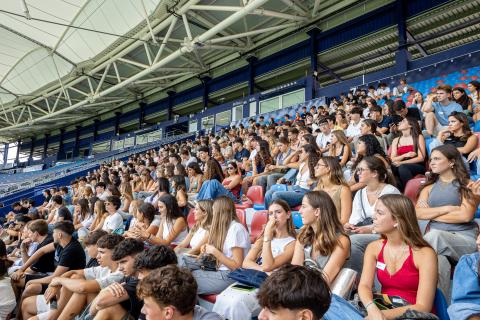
(207, 206)
(224, 213)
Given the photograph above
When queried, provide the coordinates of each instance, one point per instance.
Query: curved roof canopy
(43, 40)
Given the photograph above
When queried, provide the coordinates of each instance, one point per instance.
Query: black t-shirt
(133, 305)
(72, 256)
(64, 213)
(46, 262)
(92, 263)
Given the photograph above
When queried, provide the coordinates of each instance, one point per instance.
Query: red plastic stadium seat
(255, 193)
(260, 219)
(244, 205)
(191, 218)
(212, 298)
(242, 216)
(412, 188)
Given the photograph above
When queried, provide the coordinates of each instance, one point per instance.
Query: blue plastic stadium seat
(297, 219)
(440, 304)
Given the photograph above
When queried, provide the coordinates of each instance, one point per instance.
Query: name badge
(381, 265)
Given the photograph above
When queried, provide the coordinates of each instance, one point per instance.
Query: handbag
(250, 277)
(366, 220)
(205, 262)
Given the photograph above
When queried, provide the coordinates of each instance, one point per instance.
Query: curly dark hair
(170, 285)
(127, 247)
(372, 147)
(263, 157)
(155, 257)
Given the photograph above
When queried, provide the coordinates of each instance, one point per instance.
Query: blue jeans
(341, 309)
(465, 289)
(211, 189)
(293, 196)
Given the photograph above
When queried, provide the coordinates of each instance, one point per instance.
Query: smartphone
(239, 286)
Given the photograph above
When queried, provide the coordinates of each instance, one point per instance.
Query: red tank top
(404, 149)
(404, 283)
(236, 190)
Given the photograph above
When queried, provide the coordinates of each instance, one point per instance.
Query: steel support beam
(251, 74)
(171, 96)
(45, 145)
(402, 55)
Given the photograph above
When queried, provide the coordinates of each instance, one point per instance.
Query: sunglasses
(230, 168)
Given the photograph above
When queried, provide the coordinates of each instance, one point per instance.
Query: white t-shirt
(353, 129)
(278, 245)
(88, 221)
(103, 275)
(7, 298)
(252, 154)
(113, 222)
(237, 237)
(197, 237)
(323, 140)
(359, 214)
(167, 228)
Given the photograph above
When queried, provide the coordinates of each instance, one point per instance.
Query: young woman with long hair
(180, 193)
(340, 147)
(378, 181)
(212, 185)
(272, 249)
(126, 192)
(308, 158)
(198, 234)
(474, 89)
(461, 97)
(228, 242)
(447, 202)
(322, 242)
(100, 214)
(366, 146)
(403, 262)
(173, 226)
(408, 152)
(369, 126)
(143, 222)
(195, 175)
(233, 179)
(82, 218)
(458, 133)
(262, 159)
(331, 180)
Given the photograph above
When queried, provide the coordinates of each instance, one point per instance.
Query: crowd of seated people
(144, 237)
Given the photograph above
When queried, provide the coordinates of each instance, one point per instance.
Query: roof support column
(205, 82)
(310, 89)
(45, 145)
(141, 115)
(32, 148)
(117, 123)
(171, 96)
(61, 147)
(251, 74)
(17, 156)
(402, 55)
(5, 153)
(96, 124)
(76, 146)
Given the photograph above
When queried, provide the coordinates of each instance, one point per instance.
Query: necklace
(395, 258)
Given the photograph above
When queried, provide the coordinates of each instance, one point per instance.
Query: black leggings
(406, 172)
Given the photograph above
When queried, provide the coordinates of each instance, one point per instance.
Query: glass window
(207, 122)
(253, 109)
(269, 105)
(222, 119)
(237, 113)
(193, 126)
(292, 98)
